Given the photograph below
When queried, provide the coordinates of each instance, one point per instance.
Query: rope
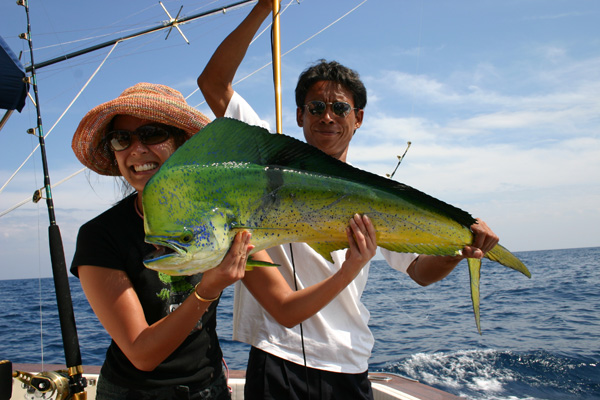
(287, 52)
(301, 330)
(83, 88)
(28, 199)
(325, 28)
(56, 123)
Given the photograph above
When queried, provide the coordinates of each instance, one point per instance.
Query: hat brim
(144, 104)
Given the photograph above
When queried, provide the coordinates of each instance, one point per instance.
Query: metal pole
(277, 64)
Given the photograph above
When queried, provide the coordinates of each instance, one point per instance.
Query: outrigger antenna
(133, 35)
(174, 23)
(399, 161)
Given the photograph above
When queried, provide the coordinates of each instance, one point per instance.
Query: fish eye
(187, 237)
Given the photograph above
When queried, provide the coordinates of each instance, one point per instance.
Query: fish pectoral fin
(326, 248)
(251, 264)
(475, 274)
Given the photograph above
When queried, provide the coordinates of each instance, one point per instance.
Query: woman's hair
(334, 72)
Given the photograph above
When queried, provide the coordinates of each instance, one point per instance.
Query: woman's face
(139, 161)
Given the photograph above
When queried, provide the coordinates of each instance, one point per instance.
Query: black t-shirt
(115, 239)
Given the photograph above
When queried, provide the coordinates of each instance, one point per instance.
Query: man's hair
(333, 71)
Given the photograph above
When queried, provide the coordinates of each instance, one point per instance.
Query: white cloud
(555, 16)
(526, 161)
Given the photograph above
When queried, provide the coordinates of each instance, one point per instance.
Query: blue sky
(500, 100)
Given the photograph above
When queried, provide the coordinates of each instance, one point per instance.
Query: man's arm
(426, 270)
(216, 80)
(291, 307)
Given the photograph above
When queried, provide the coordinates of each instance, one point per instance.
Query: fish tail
(501, 255)
(475, 274)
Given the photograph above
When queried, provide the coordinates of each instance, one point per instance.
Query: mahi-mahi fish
(233, 176)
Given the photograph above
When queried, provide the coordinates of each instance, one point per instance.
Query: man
(335, 344)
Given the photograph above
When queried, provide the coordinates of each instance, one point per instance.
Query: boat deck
(385, 386)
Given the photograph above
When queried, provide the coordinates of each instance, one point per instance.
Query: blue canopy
(13, 90)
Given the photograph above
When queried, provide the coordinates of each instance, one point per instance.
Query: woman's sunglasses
(339, 108)
(119, 140)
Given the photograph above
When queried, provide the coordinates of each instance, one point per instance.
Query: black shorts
(271, 377)
(217, 390)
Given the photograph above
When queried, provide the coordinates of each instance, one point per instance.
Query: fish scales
(294, 206)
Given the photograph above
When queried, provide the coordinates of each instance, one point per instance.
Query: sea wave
(503, 375)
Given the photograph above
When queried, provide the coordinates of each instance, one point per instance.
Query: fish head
(187, 247)
(185, 219)
(191, 234)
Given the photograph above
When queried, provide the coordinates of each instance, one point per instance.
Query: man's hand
(484, 239)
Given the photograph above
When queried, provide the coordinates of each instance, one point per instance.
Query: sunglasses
(120, 139)
(339, 108)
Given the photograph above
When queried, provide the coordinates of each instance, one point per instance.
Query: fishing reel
(44, 385)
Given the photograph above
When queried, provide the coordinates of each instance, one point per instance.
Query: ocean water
(540, 336)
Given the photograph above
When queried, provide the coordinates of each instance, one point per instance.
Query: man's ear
(359, 119)
(299, 116)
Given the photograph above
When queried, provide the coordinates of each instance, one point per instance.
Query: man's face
(329, 132)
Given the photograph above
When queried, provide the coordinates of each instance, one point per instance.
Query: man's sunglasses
(120, 139)
(339, 108)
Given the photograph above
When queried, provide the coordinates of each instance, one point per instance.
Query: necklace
(137, 209)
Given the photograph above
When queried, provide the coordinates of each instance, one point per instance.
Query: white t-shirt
(337, 338)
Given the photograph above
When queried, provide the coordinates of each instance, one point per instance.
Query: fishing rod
(76, 381)
(399, 161)
(172, 23)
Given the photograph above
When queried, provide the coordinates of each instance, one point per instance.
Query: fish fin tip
(474, 277)
(502, 255)
(251, 264)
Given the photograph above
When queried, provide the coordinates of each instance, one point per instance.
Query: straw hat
(149, 101)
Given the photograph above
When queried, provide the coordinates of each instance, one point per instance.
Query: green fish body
(233, 176)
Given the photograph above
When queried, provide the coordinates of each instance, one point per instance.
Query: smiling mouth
(145, 167)
(327, 132)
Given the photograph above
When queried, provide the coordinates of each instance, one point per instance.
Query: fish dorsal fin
(229, 140)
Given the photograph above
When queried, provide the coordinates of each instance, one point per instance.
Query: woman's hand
(230, 270)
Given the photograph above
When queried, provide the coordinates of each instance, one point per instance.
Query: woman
(164, 344)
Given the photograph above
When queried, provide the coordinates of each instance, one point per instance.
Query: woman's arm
(117, 306)
(289, 307)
